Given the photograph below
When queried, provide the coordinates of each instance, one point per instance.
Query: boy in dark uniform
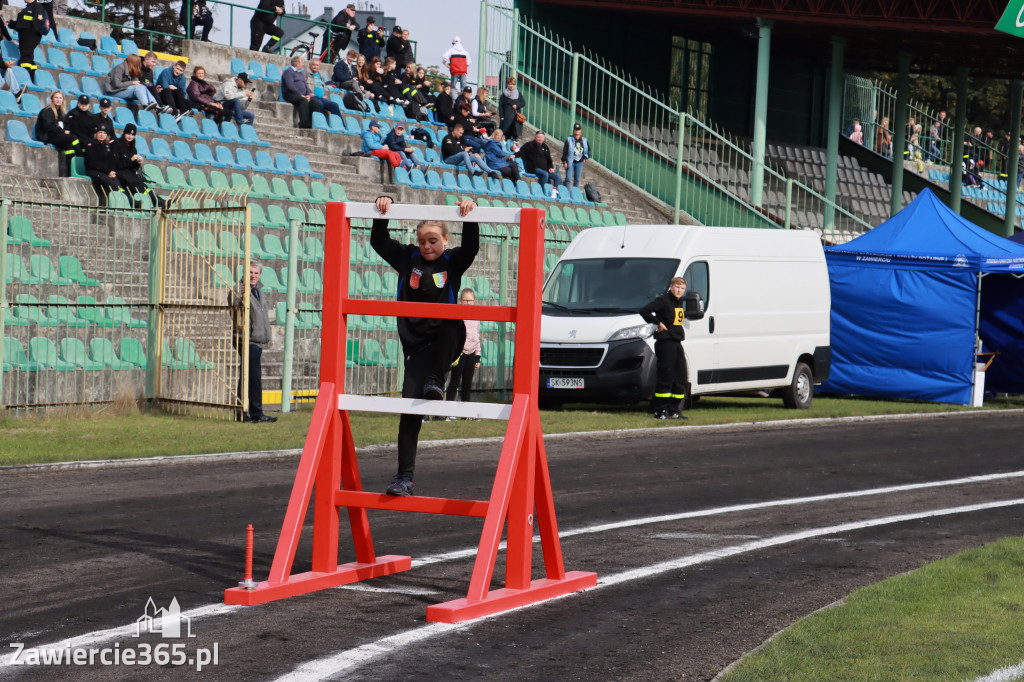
(429, 272)
(667, 311)
(101, 162)
(31, 25)
(80, 121)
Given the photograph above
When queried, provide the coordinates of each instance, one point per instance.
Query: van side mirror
(693, 305)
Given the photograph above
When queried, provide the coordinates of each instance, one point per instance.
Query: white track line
(1008, 674)
(345, 662)
(111, 634)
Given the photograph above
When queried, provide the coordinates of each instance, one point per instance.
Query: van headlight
(639, 332)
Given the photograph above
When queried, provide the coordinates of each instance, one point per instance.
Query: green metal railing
(673, 157)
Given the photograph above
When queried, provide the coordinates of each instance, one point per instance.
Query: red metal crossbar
(521, 497)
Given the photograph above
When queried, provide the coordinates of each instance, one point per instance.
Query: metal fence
(666, 153)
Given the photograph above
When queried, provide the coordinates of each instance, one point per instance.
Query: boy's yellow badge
(439, 279)
(680, 316)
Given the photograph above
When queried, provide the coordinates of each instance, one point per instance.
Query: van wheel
(549, 404)
(799, 393)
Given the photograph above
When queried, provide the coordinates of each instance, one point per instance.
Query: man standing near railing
(264, 22)
(342, 26)
(259, 336)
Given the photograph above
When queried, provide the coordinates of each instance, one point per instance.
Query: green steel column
(289, 325)
(789, 202)
(1016, 102)
(679, 167)
(154, 321)
(515, 43)
(764, 51)
(481, 71)
(574, 95)
(5, 207)
(899, 132)
(835, 122)
(956, 163)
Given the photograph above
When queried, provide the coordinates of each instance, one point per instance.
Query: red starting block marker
(521, 497)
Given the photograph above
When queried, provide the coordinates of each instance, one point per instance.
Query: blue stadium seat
(91, 87)
(9, 105)
(465, 184)
(577, 196)
(229, 133)
(69, 86)
(162, 151)
(190, 127)
(243, 159)
(273, 73)
(352, 126)
(249, 136)
(31, 105)
(210, 129)
(320, 122)
(254, 70)
(264, 163)
(66, 38)
(336, 124)
(537, 192)
(142, 147)
(224, 156)
(129, 47)
(416, 179)
(100, 65)
(204, 155)
(9, 51)
(123, 116)
(59, 61)
(183, 152)
(402, 177)
(448, 182)
(282, 164)
(40, 59)
(146, 121)
(108, 47)
(508, 188)
(238, 66)
(523, 190)
(433, 180)
(166, 125)
(302, 167)
(79, 63)
(17, 132)
(480, 185)
(44, 80)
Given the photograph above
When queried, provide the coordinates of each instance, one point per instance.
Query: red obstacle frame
(522, 487)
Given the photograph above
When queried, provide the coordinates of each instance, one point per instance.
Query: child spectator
(345, 75)
(457, 60)
(80, 122)
(428, 272)
(235, 98)
(171, 88)
(295, 90)
(395, 141)
(537, 158)
(371, 39)
(263, 23)
(466, 366)
(857, 135)
(667, 311)
(373, 145)
(101, 165)
(510, 105)
(575, 151)
(31, 26)
(125, 80)
(52, 128)
(103, 120)
(129, 165)
(201, 95)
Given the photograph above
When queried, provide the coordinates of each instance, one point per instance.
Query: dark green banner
(1012, 21)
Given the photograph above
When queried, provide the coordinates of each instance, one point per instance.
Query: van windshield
(607, 285)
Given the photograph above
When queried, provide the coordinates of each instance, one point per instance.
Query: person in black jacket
(445, 105)
(103, 120)
(129, 165)
(101, 162)
(370, 39)
(536, 157)
(429, 272)
(196, 14)
(397, 48)
(342, 26)
(52, 128)
(31, 25)
(4, 33)
(668, 312)
(263, 23)
(80, 122)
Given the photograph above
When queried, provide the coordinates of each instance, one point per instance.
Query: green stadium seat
(261, 188)
(62, 310)
(11, 321)
(185, 352)
(276, 216)
(154, 176)
(620, 218)
(219, 181)
(181, 242)
(240, 183)
(313, 249)
(228, 244)
(43, 270)
(27, 309)
(167, 358)
(270, 282)
(296, 213)
(16, 270)
(488, 353)
(595, 217)
(300, 191)
(554, 215)
(370, 354)
(197, 179)
(131, 351)
(316, 220)
(73, 350)
(274, 248)
(607, 217)
(72, 269)
(312, 282)
(119, 312)
(15, 357)
(392, 353)
(568, 216)
(373, 286)
(220, 277)
(257, 217)
(338, 192)
(20, 230)
(91, 312)
(42, 351)
(355, 284)
(351, 352)
(319, 192)
(482, 288)
(390, 284)
(102, 351)
(78, 168)
(206, 243)
(280, 189)
(176, 178)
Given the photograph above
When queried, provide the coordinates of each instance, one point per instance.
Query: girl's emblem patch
(440, 278)
(414, 278)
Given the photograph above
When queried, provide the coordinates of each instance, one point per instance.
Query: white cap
(456, 39)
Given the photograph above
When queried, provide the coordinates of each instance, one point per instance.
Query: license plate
(565, 382)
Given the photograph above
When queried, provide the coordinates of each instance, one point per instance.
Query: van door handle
(711, 325)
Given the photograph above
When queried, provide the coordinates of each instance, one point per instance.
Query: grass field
(117, 433)
(955, 619)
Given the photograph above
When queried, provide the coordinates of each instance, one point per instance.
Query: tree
(147, 22)
(988, 99)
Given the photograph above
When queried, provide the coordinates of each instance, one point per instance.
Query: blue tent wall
(1002, 330)
(902, 332)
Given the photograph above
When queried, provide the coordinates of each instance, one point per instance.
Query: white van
(757, 313)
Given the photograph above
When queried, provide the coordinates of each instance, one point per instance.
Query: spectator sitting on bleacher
(234, 98)
(537, 158)
(373, 145)
(317, 77)
(80, 122)
(51, 128)
(395, 141)
(103, 119)
(423, 86)
(510, 104)
(857, 135)
(125, 80)
(101, 165)
(171, 89)
(463, 116)
(466, 96)
(445, 105)
(457, 60)
(393, 81)
(196, 14)
(372, 79)
(371, 39)
(129, 165)
(31, 26)
(501, 163)
(342, 26)
(396, 47)
(455, 152)
(10, 81)
(263, 23)
(148, 78)
(484, 118)
(295, 91)
(347, 78)
(201, 95)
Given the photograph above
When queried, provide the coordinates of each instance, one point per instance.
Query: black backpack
(590, 189)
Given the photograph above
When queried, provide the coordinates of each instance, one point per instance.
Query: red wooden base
(505, 599)
(312, 581)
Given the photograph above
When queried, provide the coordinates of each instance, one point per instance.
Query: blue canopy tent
(908, 305)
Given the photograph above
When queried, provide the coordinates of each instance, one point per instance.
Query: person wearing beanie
(129, 165)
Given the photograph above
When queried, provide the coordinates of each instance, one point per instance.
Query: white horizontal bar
(435, 408)
(425, 212)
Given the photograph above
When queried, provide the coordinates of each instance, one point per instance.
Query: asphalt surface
(687, 584)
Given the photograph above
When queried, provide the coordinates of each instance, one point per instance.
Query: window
(608, 284)
(696, 277)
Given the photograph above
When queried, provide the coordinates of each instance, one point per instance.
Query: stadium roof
(939, 34)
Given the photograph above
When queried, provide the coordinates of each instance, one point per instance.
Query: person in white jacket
(457, 60)
(235, 98)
